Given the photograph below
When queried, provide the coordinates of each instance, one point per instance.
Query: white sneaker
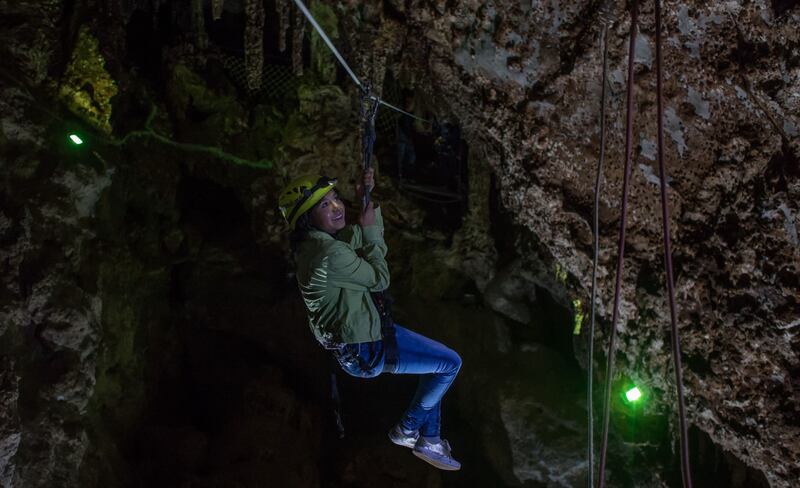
(397, 436)
(437, 455)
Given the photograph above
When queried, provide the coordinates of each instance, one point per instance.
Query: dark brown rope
(621, 245)
(676, 345)
(598, 178)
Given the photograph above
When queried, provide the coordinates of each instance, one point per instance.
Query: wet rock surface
(149, 328)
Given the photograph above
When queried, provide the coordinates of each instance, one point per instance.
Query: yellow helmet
(299, 196)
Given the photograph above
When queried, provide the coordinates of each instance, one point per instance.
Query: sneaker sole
(435, 463)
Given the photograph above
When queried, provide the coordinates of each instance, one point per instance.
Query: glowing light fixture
(634, 394)
(75, 139)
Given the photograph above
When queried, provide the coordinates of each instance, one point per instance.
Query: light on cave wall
(633, 395)
(75, 138)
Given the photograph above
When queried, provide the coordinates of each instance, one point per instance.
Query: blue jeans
(436, 364)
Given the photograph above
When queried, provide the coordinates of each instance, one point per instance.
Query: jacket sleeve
(349, 270)
(354, 234)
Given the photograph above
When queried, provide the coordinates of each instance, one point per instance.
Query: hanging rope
(686, 475)
(606, 15)
(676, 355)
(621, 245)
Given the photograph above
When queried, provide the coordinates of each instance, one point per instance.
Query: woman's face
(328, 214)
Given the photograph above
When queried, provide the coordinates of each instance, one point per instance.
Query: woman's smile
(328, 214)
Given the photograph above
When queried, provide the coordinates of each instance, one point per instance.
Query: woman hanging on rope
(342, 273)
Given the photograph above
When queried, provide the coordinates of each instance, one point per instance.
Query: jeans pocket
(357, 360)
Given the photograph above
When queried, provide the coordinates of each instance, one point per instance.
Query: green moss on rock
(87, 88)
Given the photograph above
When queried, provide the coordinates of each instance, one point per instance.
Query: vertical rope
(621, 244)
(676, 346)
(590, 359)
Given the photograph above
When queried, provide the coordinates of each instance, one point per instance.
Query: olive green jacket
(336, 276)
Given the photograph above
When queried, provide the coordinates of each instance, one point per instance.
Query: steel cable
(300, 5)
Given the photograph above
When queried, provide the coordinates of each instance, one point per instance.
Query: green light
(75, 139)
(633, 394)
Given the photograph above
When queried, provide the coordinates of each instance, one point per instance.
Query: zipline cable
(676, 345)
(606, 18)
(327, 40)
(621, 244)
(344, 64)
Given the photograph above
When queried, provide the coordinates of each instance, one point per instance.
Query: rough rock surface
(523, 79)
(119, 347)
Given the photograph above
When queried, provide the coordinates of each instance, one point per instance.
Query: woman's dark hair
(300, 232)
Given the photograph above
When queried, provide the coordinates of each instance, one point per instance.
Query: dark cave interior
(208, 376)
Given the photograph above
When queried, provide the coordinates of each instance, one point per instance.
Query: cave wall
(524, 79)
(100, 251)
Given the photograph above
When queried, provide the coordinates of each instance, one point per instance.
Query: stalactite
(298, 33)
(282, 6)
(254, 42)
(216, 8)
(199, 23)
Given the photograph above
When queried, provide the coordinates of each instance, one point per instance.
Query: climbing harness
(606, 15)
(383, 302)
(685, 468)
(362, 86)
